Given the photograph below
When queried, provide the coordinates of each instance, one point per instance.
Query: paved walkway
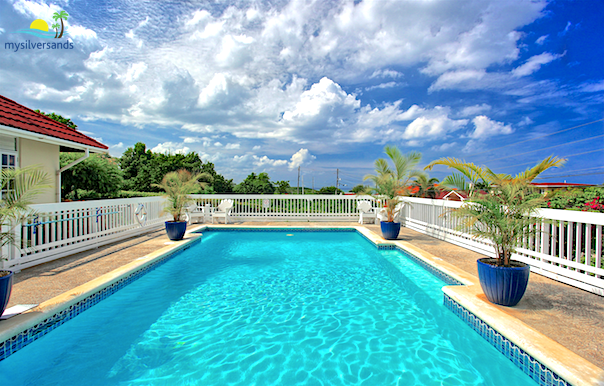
(570, 316)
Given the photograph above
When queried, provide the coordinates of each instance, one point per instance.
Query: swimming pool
(263, 308)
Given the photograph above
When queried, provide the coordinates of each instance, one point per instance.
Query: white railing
(567, 245)
(58, 230)
(284, 207)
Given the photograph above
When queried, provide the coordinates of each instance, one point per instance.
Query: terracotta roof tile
(20, 117)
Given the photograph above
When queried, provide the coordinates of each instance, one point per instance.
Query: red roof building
(27, 122)
(29, 138)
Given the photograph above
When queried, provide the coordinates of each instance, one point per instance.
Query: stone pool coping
(568, 365)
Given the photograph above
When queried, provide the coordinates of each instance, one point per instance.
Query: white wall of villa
(46, 156)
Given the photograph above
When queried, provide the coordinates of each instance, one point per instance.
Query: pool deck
(567, 315)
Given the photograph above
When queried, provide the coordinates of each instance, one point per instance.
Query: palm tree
(60, 15)
(427, 188)
(56, 28)
(502, 217)
(19, 187)
(501, 212)
(178, 185)
(392, 183)
(472, 177)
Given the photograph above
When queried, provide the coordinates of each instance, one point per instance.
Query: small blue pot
(6, 286)
(503, 285)
(390, 230)
(176, 229)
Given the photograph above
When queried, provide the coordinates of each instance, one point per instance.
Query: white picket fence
(567, 245)
(58, 230)
(287, 207)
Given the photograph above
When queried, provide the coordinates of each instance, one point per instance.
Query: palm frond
(531, 173)
(456, 181)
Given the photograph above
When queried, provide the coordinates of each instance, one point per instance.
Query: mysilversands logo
(39, 28)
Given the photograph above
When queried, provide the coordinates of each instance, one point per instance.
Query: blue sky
(324, 85)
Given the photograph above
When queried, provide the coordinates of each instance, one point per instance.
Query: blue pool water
(269, 308)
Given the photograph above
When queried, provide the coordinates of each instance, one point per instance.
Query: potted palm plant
(19, 187)
(501, 211)
(391, 183)
(178, 185)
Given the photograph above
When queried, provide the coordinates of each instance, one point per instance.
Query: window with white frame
(8, 157)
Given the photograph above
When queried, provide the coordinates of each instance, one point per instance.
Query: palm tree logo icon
(39, 27)
(59, 16)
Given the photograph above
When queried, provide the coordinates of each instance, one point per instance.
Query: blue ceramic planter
(390, 230)
(503, 285)
(176, 229)
(6, 286)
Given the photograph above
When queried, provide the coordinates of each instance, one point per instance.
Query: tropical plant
(60, 15)
(19, 187)
(392, 182)
(58, 118)
(178, 185)
(97, 177)
(500, 212)
(330, 190)
(472, 178)
(427, 188)
(255, 184)
(359, 188)
(501, 216)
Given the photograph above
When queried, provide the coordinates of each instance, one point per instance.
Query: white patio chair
(223, 210)
(366, 211)
(193, 212)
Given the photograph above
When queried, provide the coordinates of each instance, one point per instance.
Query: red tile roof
(557, 184)
(20, 117)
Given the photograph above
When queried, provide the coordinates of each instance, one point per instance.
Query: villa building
(29, 138)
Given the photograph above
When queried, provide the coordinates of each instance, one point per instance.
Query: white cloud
(474, 110)
(79, 33)
(444, 146)
(301, 157)
(171, 148)
(217, 144)
(541, 39)
(386, 74)
(384, 85)
(323, 97)
(484, 128)
(257, 147)
(453, 79)
(593, 87)
(232, 146)
(534, 64)
(432, 127)
(430, 123)
(116, 150)
(526, 121)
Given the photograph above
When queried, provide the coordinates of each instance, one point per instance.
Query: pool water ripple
(255, 309)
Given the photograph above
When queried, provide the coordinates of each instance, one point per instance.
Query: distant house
(546, 187)
(28, 138)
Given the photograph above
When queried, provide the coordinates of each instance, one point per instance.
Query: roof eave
(51, 140)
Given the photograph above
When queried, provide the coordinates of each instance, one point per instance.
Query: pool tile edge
(557, 365)
(21, 330)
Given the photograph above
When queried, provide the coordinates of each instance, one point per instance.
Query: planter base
(503, 285)
(390, 230)
(6, 286)
(176, 229)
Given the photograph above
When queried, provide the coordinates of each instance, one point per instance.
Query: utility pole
(313, 182)
(337, 180)
(298, 188)
(302, 183)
